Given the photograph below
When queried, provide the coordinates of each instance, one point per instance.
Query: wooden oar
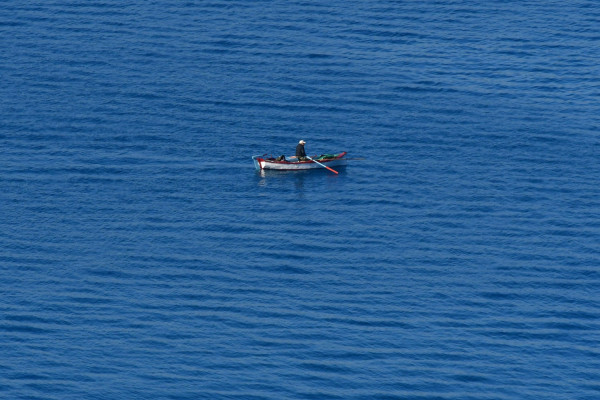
(325, 166)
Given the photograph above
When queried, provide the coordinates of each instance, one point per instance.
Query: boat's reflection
(299, 178)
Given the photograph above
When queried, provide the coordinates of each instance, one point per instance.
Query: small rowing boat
(283, 164)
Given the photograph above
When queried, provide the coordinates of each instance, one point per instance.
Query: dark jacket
(300, 150)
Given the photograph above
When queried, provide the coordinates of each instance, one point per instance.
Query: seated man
(300, 153)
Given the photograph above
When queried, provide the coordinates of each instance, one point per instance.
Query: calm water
(142, 257)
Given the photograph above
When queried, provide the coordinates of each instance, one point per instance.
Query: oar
(325, 166)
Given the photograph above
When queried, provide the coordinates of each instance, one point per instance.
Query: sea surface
(457, 256)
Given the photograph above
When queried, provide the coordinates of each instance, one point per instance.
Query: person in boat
(300, 152)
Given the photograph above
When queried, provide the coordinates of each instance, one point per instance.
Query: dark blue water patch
(567, 326)
(34, 320)
(25, 329)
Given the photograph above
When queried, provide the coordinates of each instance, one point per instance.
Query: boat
(283, 164)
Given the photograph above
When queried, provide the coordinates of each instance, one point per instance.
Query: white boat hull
(264, 163)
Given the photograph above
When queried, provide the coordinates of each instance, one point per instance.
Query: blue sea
(456, 257)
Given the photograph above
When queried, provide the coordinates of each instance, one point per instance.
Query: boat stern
(258, 162)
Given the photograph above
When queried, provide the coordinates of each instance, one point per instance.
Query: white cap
(302, 141)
